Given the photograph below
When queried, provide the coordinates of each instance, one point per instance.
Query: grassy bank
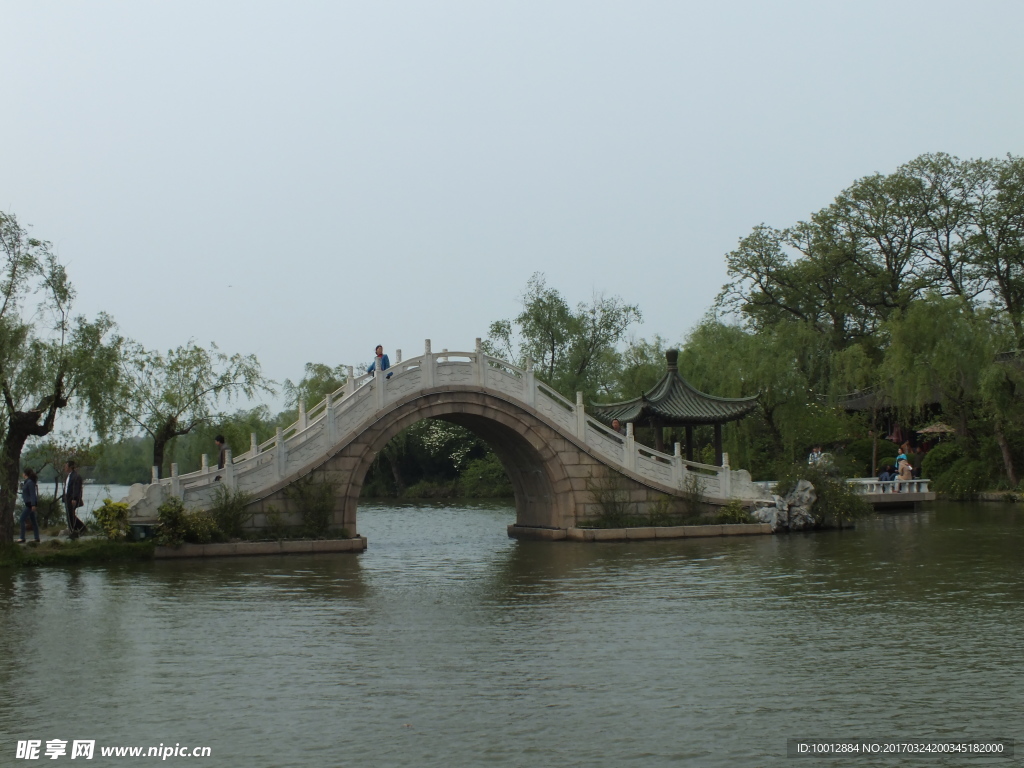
(87, 552)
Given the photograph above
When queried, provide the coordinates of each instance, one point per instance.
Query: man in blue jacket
(380, 360)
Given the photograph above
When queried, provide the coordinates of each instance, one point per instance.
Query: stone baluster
(378, 384)
(329, 418)
(530, 383)
(398, 356)
(302, 415)
(156, 475)
(350, 382)
(282, 454)
(254, 446)
(428, 365)
(630, 447)
(175, 482)
(229, 470)
(204, 466)
(480, 365)
(581, 418)
(726, 474)
(678, 470)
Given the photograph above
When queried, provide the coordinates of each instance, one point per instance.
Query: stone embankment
(244, 548)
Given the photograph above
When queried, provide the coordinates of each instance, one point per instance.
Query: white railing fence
(333, 420)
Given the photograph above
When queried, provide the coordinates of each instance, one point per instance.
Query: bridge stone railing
(331, 421)
(869, 485)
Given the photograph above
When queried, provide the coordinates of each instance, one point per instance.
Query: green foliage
(179, 525)
(940, 459)
(167, 396)
(201, 527)
(230, 510)
(574, 349)
(734, 512)
(172, 518)
(858, 457)
(315, 500)
(836, 500)
(485, 478)
(50, 512)
(112, 518)
(964, 480)
(50, 358)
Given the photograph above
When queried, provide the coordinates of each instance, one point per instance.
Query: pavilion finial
(672, 355)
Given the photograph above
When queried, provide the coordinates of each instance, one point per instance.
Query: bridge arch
(533, 454)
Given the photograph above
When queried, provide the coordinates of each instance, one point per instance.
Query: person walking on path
(379, 361)
(30, 495)
(73, 499)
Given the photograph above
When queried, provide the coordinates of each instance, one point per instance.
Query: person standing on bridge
(379, 361)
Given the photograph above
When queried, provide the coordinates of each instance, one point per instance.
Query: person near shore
(380, 360)
(906, 472)
(815, 456)
(885, 476)
(30, 495)
(73, 499)
(617, 426)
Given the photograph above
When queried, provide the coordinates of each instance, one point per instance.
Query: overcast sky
(304, 180)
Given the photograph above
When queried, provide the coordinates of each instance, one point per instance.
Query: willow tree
(50, 359)
(170, 395)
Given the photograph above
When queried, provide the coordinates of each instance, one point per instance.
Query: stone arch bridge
(554, 453)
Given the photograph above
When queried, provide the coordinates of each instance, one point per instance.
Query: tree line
(908, 286)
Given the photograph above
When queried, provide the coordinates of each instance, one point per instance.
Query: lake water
(448, 644)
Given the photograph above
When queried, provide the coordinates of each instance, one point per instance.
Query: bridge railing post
(175, 482)
(398, 356)
(726, 475)
(630, 448)
(480, 364)
(254, 446)
(530, 383)
(581, 418)
(350, 382)
(678, 472)
(329, 418)
(229, 470)
(155, 476)
(428, 365)
(204, 466)
(282, 454)
(302, 414)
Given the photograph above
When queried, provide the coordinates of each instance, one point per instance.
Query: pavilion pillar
(689, 442)
(659, 438)
(718, 444)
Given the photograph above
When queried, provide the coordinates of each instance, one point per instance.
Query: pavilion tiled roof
(674, 401)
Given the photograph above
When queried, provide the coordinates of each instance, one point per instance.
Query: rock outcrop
(791, 512)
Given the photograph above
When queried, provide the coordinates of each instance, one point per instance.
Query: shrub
(178, 525)
(50, 512)
(201, 527)
(964, 480)
(858, 455)
(229, 510)
(940, 459)
(112, 518)
(734, 512)
(315, 501)
(171, 516)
